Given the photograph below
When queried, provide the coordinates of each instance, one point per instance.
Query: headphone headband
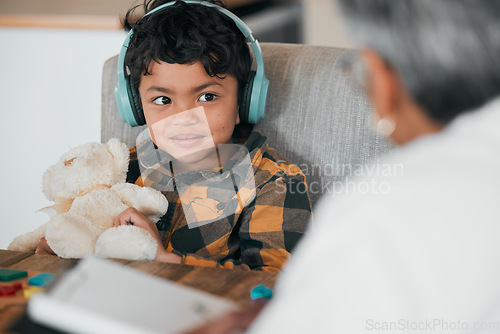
(257, 97)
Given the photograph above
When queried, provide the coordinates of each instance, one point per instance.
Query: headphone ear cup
(246, 98)
(135, 104)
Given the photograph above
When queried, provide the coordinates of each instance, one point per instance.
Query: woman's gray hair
(447, 52)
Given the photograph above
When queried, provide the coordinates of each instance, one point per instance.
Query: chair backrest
(315, 115)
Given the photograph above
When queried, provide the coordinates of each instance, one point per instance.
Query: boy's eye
(207, 97)
(162, 100)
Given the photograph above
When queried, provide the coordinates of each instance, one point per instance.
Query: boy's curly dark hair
(183, 34)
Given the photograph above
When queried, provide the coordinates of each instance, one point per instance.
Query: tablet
(102, 296)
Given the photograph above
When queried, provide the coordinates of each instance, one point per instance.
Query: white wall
(323, 24)
(50, 100)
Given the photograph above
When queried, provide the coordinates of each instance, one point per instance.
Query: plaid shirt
(254, 225)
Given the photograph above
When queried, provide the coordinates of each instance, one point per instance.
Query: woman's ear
(383, 85)
(393, 102)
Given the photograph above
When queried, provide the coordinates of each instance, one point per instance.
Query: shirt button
(220, 206)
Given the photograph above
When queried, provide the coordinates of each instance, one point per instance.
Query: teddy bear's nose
(69, 162)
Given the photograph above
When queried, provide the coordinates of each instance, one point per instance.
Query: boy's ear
(238, 115)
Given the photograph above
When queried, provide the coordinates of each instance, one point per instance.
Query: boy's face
(189, 112)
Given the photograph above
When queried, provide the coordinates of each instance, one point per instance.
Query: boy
(229, 206)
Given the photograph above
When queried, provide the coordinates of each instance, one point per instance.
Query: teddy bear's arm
(148, 201)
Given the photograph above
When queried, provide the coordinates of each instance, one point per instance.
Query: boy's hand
(132, 216)
(43, 247)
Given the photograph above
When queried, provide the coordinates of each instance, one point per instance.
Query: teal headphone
(254, 93)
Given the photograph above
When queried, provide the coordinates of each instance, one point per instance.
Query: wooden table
(234, 285)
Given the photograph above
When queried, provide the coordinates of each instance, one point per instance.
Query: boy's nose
(186, 117)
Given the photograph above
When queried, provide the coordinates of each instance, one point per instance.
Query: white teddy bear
(88, 186)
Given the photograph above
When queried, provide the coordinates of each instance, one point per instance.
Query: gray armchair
(315, 115)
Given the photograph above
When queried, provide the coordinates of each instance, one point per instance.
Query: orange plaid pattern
(255, 232)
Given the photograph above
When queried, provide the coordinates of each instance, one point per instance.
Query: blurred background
(52, 53)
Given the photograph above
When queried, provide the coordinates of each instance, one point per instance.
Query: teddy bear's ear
(120, 153)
